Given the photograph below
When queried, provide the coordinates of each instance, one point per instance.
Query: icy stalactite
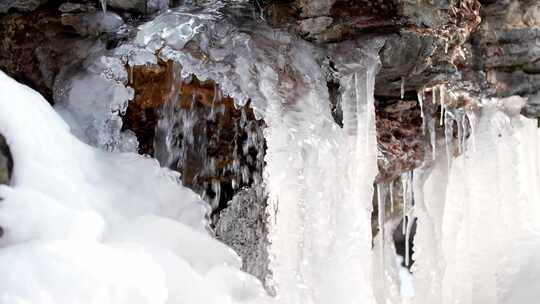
(407, 184)
(420, 95)
(449, 122)
(402, 88)
(386, 278)
(441, 90)
(406, 194)
(472, 120)
(432, 133)
(315, 241)
(381, 196)
(391, 190)
(478, 233)
(103, 5)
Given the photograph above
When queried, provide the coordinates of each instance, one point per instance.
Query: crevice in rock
(6, 162)
(221, 134)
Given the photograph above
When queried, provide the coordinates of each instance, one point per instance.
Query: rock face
(218, 147)
(35, 46)
(20, 5)
(140, 6)
(242, 226)
(6, 162)
(506, 50)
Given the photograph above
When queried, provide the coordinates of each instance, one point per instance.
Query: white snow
(86, 226)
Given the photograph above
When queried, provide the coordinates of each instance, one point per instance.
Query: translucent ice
(478, 231)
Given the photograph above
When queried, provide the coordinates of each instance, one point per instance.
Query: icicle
(443, 108)
(402, 87)
(409, 219)
(471, 117)
(380, 204)
(367, 104)
(421, 102)
(448, 134)
(404, 188)
(391, 186)
(410, 222)
(434, 95)
(442, 93)
(460, 131)
(104, 5)
(432, 137)
(464, 133)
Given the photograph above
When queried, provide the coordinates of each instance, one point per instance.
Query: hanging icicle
(443, 106)
(410, 224)
(459, 117)
(448, 135)
(432, 136)
(471, 117)
(104, 5)
(402, 87)
(406, 193)
(421, 102)
(391, 189)
(381, 216)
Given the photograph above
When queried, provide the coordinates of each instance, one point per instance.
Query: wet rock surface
(506, 50)
(35, 47)
(220, 147)
(400, 138)
(20, 5)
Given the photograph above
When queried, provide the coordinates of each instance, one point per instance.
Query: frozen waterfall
(478, 235)
(84, 223)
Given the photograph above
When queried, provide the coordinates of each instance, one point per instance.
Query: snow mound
(86, 226)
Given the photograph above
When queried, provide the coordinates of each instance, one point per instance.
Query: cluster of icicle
(478, 230)
(477, 205)
(478, 234)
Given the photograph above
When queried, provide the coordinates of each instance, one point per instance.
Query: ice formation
(321, 201)
(478, 231)
(315, 242)
(92, 99)
(86, 226)
(80, 217)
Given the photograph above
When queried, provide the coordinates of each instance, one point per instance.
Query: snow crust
(86, 226)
